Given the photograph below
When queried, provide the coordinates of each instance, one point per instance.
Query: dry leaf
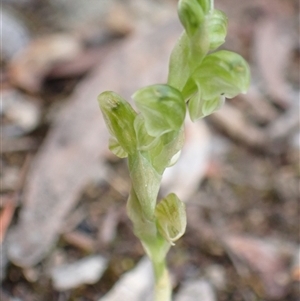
(230, 120)
(272, 50)
(265, 260)
(29, 67)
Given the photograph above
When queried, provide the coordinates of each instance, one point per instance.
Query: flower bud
(171, 218)
(119, 117)
(206, 5)
(162, 108)
(191, 15)
(222, 73)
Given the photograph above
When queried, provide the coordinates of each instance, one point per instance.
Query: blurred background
(64, 230)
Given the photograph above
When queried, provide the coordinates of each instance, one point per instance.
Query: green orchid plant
(199, 80)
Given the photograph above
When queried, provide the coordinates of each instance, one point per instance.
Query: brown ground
(243, 213)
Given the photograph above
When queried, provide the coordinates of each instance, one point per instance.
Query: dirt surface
(63, 194)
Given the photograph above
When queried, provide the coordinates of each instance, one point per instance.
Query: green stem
(163, 287)
(155, 246)
(157, 250)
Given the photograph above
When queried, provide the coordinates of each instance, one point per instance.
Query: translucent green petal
(217, 28)
(145, 142)
(199, 107)
(116, 148)
(179, 70)
(212, 105)
(195, 105)
(171, 143)
(222, 73)
(162, 107)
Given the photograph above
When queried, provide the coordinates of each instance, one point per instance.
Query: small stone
(22, 112)
(9, 178)
(134, 285)
(217, 276)
(195, 290)
(85, 271)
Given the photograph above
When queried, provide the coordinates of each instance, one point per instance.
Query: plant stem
(154, 244)
(163, 287)
(156, 249)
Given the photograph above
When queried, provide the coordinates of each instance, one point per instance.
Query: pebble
(22, 112)
(217, 276)
(134, 285)
(196, 290)
(85, 271)
(9, 178)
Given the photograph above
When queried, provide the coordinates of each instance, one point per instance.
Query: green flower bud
(222, 73)
(162, 107)
(119, 117)
(191, 15)
(171, 218)
(206, 5)
(217, 28)
(159, 151)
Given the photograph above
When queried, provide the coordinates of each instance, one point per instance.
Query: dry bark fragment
(264, 259)
(28, 67)
(230, 120)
